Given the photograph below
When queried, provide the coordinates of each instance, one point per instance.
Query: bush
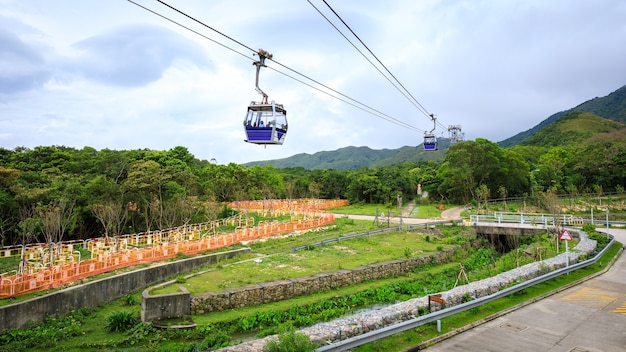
(589, 228)
(130, 300)
(290, 342)
(121, 321)
(601, 238)
(215, 340)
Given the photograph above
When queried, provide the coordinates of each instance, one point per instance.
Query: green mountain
(575, 129)
(612, 107)
(352, 158)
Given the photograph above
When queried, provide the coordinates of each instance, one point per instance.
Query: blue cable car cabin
(265, 123)
(430, 142)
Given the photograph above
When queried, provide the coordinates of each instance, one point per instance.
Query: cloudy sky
(110, 74)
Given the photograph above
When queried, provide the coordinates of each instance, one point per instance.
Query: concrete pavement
(588, 317)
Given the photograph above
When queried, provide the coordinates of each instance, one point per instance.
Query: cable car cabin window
(265, 124)
(430, 143)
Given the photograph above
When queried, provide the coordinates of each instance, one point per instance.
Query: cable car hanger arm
(261, 63)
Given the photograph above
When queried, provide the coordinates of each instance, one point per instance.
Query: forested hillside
(574, 128)
(352, 158)
(53, 193)
(612, 107)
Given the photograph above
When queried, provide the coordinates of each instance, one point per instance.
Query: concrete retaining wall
(92, 294)
(174, 305)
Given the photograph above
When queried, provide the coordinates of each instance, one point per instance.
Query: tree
(502, 191)
(482, 194)
(55, 218)
(112, 215)
(363, 186)
(472, 163)
(225, 182)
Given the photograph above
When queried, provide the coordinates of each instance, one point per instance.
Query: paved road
(448, 214)
(588, 317)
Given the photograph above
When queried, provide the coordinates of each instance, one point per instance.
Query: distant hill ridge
(573, 130)
(352, 158)
(612, 107)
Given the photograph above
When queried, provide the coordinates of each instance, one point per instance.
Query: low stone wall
(279, 290)
(92, 294)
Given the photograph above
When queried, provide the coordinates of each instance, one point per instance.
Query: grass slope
(573, 129)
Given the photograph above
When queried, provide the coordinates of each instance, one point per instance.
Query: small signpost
(436, 298)
(566, 236)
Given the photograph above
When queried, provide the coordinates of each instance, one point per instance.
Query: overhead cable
(356, 103)
(413, 100)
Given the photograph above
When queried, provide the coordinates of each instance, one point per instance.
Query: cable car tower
(430, 140)
(265, 123)
(456, 135)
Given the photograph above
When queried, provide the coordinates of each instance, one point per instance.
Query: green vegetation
(402, 341)
(56, 193)
(361, 209)
(277, 261)
(353, 158)
(115, 327)
(121, 321)
(426, 211)
(50, 194)
(611, 107)
(290, 342)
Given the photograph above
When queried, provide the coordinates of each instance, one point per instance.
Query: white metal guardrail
(424, 319)
(545, 220)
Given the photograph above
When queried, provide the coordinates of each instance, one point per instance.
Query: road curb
(455, 332)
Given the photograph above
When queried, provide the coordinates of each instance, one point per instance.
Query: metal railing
(425, 319)
(410, 227)
(345, 238)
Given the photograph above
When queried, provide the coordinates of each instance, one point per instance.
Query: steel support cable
(363, 106)
(359, 50)
(206, 25)
(415, 101)
(189, 29)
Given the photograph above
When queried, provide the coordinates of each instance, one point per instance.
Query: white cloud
(112, 75)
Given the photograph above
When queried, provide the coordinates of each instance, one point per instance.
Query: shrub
(121, 321)
(215, 339)
(290, 342)
(130, 300)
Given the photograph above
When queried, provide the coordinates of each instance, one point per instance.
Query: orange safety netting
(129, 250)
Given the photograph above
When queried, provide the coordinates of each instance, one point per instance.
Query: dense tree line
(53, 193)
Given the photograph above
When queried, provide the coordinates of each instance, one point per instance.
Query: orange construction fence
(72, 268)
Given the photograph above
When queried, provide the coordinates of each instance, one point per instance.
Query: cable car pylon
(266, 122)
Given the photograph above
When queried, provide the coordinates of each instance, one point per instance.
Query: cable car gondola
(265, 123)
(430, 140)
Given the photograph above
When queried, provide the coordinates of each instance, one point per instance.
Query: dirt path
(408, 209)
